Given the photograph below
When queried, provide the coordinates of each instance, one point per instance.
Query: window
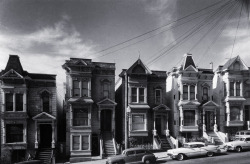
(158, 96)
(189, 118)
(106, 90)
(185, 92)
(231, 88)
(19, 102)
(76, 88)
(134, 94)
(85, 142)
(236, 66)
(138, 122)
(85, 89)
(141, 95)
(45, 102)
(237, 88)
(80, 117)
(225, 89)
(14, 133)
(235, 114)
(137, 95)
(76, 143)
(192, 92)
(9, 101)
(205, 93)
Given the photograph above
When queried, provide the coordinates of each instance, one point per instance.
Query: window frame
(158, 97)
(192, 92)
(205, 94)
(189, 123)
(80, 146)
(144, 121)
(80, 118)
(8, 137)
(135, 94)
(81, 88)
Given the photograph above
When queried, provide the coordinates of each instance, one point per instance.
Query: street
(229, 158)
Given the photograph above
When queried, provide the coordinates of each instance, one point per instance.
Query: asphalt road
(228, 158)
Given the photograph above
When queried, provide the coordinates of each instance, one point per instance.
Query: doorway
(106, 120)
(209, 120)
(45, 135)
(158, 125)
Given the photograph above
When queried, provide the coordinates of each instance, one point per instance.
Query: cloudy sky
(45, 33)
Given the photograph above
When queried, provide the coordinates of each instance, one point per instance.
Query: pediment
(189, 103)
(210, 104)
(241, 64)
(44, 116)
(107, 101)
(191, 69)
(139, 68)
(12, 74)
(80, 62)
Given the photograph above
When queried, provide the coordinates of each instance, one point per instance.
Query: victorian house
(190, 90)
(28, 112)
(141, 98)
(232, 93)
(90, 108)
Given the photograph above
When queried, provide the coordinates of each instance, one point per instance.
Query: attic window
(138, 69)
(236, 66)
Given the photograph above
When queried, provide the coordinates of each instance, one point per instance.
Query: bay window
(80, 88)
(237, 88)
(235, 113)
(76, 88)
(80, 142)
(138, 122)
(141, 95)
(80, 117)
(85, 142)
(14, 133)
(189, 117)
(134, 95)
(84, 88)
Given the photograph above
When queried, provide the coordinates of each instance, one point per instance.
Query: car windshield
(186, 146)
(239, 139)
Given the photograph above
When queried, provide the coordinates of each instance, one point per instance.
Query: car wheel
(210, 154)
(147, 161)
(238, 149)
(180, 157)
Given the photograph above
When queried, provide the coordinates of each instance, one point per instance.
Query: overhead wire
(192, 31)
(148, 32)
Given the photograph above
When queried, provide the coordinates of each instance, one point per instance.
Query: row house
(141, 98)
(190, 96)
(90, 108)
(28, 112)
(232, 93)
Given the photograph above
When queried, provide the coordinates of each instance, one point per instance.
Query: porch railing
(101, 146)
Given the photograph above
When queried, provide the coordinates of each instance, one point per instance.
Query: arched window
(45, 102)
(205, 93)
(185, 92)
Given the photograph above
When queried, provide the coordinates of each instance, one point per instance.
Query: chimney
(211, 65)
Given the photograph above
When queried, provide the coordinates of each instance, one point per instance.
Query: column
(145, 95)
(14, 102)
(215, 121)
(188, 92)
(196, 117)
(89, 89)
(4, 130)
(80, 83)
(25, 133)
(204, 125)
(181, 117)
(53, 135)
(181, 91)
(36, 135)
(25, 101)
(228, 87)
(234, 88)
(241, 88)
(195, 97)
(228, 111)
(154, 130)
(167, 130)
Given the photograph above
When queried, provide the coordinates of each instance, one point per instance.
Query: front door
(209, 120)
(158, 125)
(45, 135)
(106, 120)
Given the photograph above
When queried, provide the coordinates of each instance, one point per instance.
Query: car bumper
(230, 148)
(173, 156)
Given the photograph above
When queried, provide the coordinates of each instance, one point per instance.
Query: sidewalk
(160, 156)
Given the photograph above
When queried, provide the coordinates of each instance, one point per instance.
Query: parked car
(193, 149)
(239, 144)
(242, 133)
(133, 155)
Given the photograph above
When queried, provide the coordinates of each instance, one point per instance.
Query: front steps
(44, 154)
(165, 145)
(108, 144)
(217, 140)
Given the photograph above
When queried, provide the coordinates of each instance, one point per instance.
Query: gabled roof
(231, 62)
(12, 73)
(142, 68)
(44, 116)
(161, 107)
(107, 101)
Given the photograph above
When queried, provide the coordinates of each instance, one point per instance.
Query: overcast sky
(45, 33)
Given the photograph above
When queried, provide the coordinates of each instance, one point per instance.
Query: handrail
(51, 157)
(159, 140)
(114, 142)
(170, 142)
(101, 145)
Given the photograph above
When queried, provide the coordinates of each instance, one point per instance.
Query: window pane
(134, 94)
(237, 88)
(19, 102)
(76, 88)
(185, 92)
(158, 96)
(80, 117)
(235, 114)
(231, 88)
(205, 93)
(76, 142)
(106, 90)
(192, 92)
(84, 89)
(141, 95)
(14, 133)
(138, 122)
(85, 142)
(45, 99)
(189, 118)
(9, 101)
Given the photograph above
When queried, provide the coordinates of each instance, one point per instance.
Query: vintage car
(132, 155)
(239, 144)
(193, 149)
